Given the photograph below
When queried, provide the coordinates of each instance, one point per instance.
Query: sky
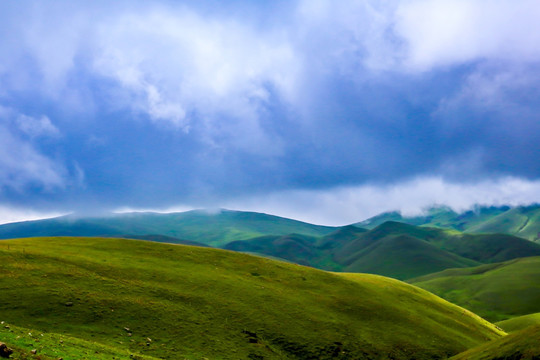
(323, 111)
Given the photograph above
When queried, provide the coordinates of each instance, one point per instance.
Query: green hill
(522, 221)
(519, 322)
(297, 248)
(176, 301)
(403, 257)
(301, 249)
(392, 249)
(495, 291)
(403, 251)
(524, 345)
(210, 228)
(442, 216)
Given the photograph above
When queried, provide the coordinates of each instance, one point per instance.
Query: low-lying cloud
(346, 205)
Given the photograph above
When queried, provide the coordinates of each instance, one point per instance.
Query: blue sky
(319, 110)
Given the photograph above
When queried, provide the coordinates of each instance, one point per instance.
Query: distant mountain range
(393, 249)
(522, 221)
(215, 228)
(396, 249)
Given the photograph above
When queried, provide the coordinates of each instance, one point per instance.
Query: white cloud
(189, 71)
(21, 163)
(345, 34)
(420, 35)
(345, 205)
(450, 32)
(35, 127)
(14, 214)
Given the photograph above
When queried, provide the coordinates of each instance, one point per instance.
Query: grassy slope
(442, 217)
(164, 239)
(495, 291)
(215, 229)
(519, 322)
(523, 345)
(394, 249)
(404, 257)
(54, 346)
(522, 221)
(301, 249)
(196, 302)
(404, 251)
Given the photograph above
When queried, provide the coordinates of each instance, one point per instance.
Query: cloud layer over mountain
(175, 103)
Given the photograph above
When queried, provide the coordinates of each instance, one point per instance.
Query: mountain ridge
(214, 228)
(522, 221)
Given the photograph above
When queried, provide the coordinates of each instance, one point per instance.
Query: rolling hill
(522, 221)
(210, 228)
(297, 248)
(65, 296)
(519, 322)
(439, 216)
(301, 249)
(391, 249)
(495, 291)
(401, 257)
(403, 251)
(523, 345)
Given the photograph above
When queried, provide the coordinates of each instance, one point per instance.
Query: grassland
(519, 322)
(495, 291)
(175, 301)
(523, 345)
(404, 251)
(393, 249)
(54, 346)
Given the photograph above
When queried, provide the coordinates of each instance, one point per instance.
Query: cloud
(149, 104)
(213, 75)
(9, 214)
(440, 33)
(346, 205)
(21, 163)
(35, 127)
(420, 35)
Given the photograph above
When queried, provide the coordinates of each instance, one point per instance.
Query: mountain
(495, 291)
(301, 249)
(297, 248)
(523, 345)
(403, 251)
(391, 249)
(176, 301)
(401, 257)
(209, 228)
(439, 216)
(522, 221)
